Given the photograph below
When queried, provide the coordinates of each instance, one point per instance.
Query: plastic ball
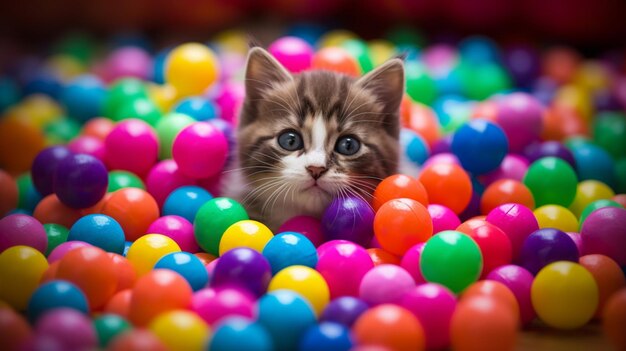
(20, 142)
(587, 192)
(180, 330)
(229, 100)
(343, 264)
(603, 233)
(519, 282)
(87, 145)
(137, 339)
(290, 249)
(119, 303)
(29, 197)
(555, 216)
(512, 167)
(99, 230)
(238, 333)
(134, 209)
(551, 181)
(44, 168)
(443, 218)
(451, 259)
(199, 108)
(402, 223)
(108, 326)
(385, 283)
(415, 147)
(83, 98)
(441, 179)
(349, 218)
(21, 268)
(57, 235)
(191, 68)
(545, 246)
(495, 246)
(520, 116)
(305, 281)
(327, 336)
(399, 186)
(20, 229)
(565, 295)
(213, 219)
(336, 59)
(146, 251)
(124, 271)
(188, 266)
(480, 146)
(594, 163)
(200, 150)
(517, 222)
(596, 205)
(389, 326)
(495, 290)
(608, 276)
(167, 128)
(243, 267)
(124, 179)
(609, 132)
(422, 120)
(419, 84)
(380, 256)
(132, 146)
(185, 202)
(140, 108)
(178, 229)
(128, 61)
(411, 262)
(14, 329)
(343, 310)
(61, 250)
(505, 191)
(80, 181)
(54, 295)
(245, 233)
(120, 93)
(614, 319)
(71, 329)
(293, 53)
(165, 177)
(213, 305)
(549, 149)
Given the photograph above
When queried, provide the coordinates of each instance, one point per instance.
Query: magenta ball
(58, 252)
(308, 226)
(433, 305)
(69, 327)
(445, 157)
(440, 57)
(178, 229)
(330, 245)
(519, 281)
(411, 262)
(214, 304)
(293, 53)
(520, 115)
(200, 150)
(343, 265)
(516, 221)
(578, 240)
(512, 167)
(21, 229)
(443, 218)
(164, 178)
(88, 145)
(229, 100)
(604, 232)
(385, 283)
(132, 146)
(128, 62)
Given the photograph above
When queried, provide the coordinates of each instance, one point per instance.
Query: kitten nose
(316, 171)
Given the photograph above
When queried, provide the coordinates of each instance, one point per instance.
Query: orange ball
(50, 273)
(487, 110)
(134, 209)
(401, 224)
(14, 329)
(51, 210)
(119, 304)
(20, 142)
(471, 224)
(126, 275)
(397, 186)
(483, 323)
(493, 289)
(98, 128)
(8, 193)
(380, 256)
(424, 121)
(205, 258)
(620, 199)
(159, 291)
(560, 64)
(561, 122)
(337, 60)
(405, 110)
(136, 340)
(91, 270)
(506, 191)
(391, 327)
(447, 184)
(614, 319)
(607, 274)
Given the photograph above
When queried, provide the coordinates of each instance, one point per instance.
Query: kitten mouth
(315, 186)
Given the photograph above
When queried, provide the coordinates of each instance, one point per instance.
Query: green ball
(361, 52)
(62, 131)
(419, 84)
(212, 220)
(452, 259)
(121, 93)
(28, 196)
(108, 326)
(609, 132)
(480, 81)
(57, 235)
(620, 176)
(78, 45)
(551, 181)
(142, 108)
(596, 205)
(405, 36)
(576, 142)
(124, 179)
(168, 128)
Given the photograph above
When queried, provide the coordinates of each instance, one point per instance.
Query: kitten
(307, 138)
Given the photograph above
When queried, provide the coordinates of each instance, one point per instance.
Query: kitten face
(305, 139)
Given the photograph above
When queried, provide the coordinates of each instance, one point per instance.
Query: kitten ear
(387, 84)
(263, 71)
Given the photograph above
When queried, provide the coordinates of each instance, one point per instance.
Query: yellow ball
(191, 68)
(381, 51)
(181, 330)
(232, 41)
(587, 192)
(555, 216)
(41, 109)
(163, 96)
(147, 250)
(21, 268)
(336, 38)
(592, 76)
(306, 282)
(577, 98)
(246, 233)
(65, 67)
(564, 295)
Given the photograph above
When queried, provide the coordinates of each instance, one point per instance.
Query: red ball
(399, 224)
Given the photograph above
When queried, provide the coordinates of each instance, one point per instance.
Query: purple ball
(20, 229)
(545, 246)
(523, 64)
(243, 267)
(442, 146)
(81, 181)
(604, 232)
(69, 327)
(349, 218)
(516, 221)
(549, 149)
(45, 166)
(344, 310)
(293, 53)
(521, 117)
(512, 167)
(519, 281)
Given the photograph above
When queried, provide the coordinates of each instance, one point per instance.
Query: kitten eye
(290, 141)
(347, 145)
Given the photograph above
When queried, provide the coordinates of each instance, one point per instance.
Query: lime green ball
(551, 181)
(361, 52)
(212, 220)
(124, 179)
(480, 81)
(57, 235)
(108, 326)
(620, 176)
(168, 128)
(419, 84)
(596, 205)
(451, 259)
(121, 93)
(142, 108)
(62, 131)
(609, 132)
(405, 36)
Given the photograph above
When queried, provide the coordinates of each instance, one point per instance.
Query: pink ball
(69, 327)
(229, 99)
(433, 305)
(88, 145)
(443, 218)
(178, 229)
(440, 58)
(132, 146)
(411, 262)
(293, 53)
(512, 167)
(516, 221)
(385, 283)
(128, 62)
(343, 264)
(60, 251)
(521, 117)
(164, 178)
(604, 232)
(308, 226)
(578, 240)
(210, 267)
(231, 63)
(214, 304)
(200, 150)
(21, 229)
(519, 281)
(444, 157)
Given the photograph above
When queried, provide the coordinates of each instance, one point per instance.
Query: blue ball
(290, 249)
(414, 146)
(344, 310)
(44, 83)
(479, 50)
(448, 82)
(199, 108)
(185, 202)
(83, 98)
(158, 73)
(593, 162)
(284, 310)
(56, 294)
(480, 146)
(450, 109)
(188, 266)
(240, 334)
(100, 231)
(327, 336)
(9, 93)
